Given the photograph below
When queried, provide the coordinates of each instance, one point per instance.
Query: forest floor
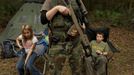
(121, 64)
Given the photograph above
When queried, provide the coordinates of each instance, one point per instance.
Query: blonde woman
(27, 41)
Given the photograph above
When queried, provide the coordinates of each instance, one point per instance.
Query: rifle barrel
(83, 36)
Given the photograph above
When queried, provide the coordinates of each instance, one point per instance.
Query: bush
(108, 15)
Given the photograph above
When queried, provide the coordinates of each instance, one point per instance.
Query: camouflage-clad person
(65, 51)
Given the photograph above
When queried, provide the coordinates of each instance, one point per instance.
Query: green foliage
(108, 15)
(118, 12)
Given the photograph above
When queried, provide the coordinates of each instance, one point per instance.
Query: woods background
(116, 12)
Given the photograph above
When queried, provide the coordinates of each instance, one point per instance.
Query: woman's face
(26, 33)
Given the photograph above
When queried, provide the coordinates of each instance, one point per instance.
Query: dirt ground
(121, 64)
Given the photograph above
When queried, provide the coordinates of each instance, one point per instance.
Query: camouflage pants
(75, 59)
(76, 63)
(65, 63)
(100, 65)
(95, 65)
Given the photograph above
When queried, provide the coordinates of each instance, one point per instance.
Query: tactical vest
(60, 24)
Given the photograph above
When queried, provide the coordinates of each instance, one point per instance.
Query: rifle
(84, 41)
(83, 36)
(82, 19)
(81, 12)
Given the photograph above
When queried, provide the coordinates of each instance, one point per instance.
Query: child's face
(99, 37)
(26, 33)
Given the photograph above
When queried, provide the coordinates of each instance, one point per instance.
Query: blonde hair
(29, 28)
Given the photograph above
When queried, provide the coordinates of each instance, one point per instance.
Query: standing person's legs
(20, 65)
(30, 65)
(100, 66)
(75, 62)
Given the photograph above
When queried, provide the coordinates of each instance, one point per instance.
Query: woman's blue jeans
(29, 67)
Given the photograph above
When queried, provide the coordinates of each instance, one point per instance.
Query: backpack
(8, 49)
